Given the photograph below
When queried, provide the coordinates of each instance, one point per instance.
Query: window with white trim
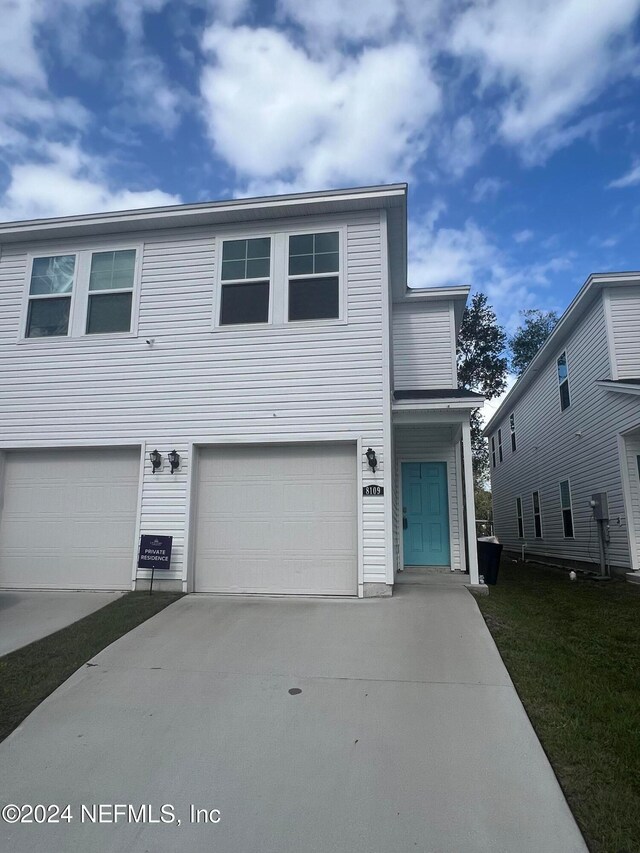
(245, 281)
(111, 279)
(520, 518)
(50, 289)
(567, 510)
(493, 450)
(500, 457)
(512, 428)
(563, 381)
(81, 293)
(314, 276)
(537, 515)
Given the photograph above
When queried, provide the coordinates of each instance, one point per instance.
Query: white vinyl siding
(298, 382)
(625, 326)
(424, 347)
(579, 444)
(431, 444)
(68, 518)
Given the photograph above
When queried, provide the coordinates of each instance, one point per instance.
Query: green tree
(534, 330)
(482, 367)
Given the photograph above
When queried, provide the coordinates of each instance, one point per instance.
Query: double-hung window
(500, 457)
(563, 382)
(82, 293)
(314, 276)
(50, 290)
(520, 518)
(493, 450)
(245, 281)
(537, 515)
(512, 427)
(110, 298)
(567, 512)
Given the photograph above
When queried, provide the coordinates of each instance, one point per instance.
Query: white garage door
(277, 519)
(68, 519)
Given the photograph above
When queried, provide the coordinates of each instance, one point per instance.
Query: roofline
(621, 387)
(579, 303)
(443, 403)
(457, 291)
(15, 230)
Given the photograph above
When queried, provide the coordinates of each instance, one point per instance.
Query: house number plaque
(376, 491)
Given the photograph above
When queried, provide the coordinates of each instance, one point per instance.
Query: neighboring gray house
(275, 346)
(570, 428)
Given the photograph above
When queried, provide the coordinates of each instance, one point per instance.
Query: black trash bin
(489, 561)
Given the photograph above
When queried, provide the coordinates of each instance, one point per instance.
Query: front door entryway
(425, 514)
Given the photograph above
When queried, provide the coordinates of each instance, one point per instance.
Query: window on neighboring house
(50, 290)
(567, 513)
(520, 519)
(245, 281)
(563, 381)
(493, 450)
(512, 427)
(537, 515)
(314, 282)
(500, 445)
(110, 291)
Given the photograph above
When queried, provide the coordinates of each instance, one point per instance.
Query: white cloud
(461, 148)
(551, 56)
(491, 406)
(440, 256)
(68, 181)
(523, 236)
(487, 188)
(349, 20)
(276, 114)
(629, 179)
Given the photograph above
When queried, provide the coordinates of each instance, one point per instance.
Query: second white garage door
(69, 518)
(277, 519)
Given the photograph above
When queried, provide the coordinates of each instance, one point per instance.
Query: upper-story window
(563, 381)
(81, 293)
(246, 281)
(50, 290)
(314, 283)
(493, 450)
(110, 291)
(500, 457)
(512, 428)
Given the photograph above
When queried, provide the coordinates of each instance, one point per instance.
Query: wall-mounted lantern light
(174, 460)
(372, 459)
(156, 461)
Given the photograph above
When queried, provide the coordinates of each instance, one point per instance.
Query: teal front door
(425, 514)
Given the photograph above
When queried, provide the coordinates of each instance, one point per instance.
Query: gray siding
(430, 444)
(625, 326)
(549, 450)
(199, 385)
(424, 351)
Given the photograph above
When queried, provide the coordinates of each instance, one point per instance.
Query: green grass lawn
(30, 674)
(573, 652)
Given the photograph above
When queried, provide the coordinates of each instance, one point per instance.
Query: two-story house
(251, 377)
(569, 430)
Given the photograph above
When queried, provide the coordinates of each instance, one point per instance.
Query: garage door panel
(278, 519)
(68, 519)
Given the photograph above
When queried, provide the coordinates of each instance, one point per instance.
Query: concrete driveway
(26, 616)
(311, 725)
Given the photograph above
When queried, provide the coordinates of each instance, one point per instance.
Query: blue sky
(515, 122)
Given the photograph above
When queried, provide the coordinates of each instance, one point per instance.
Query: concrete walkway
(26, 616)
(312, 725)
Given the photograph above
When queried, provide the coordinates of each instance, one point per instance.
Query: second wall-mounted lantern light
(156, 461)
(174, 460)
(372, 459)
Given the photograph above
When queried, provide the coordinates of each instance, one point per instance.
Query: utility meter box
(601, 508)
